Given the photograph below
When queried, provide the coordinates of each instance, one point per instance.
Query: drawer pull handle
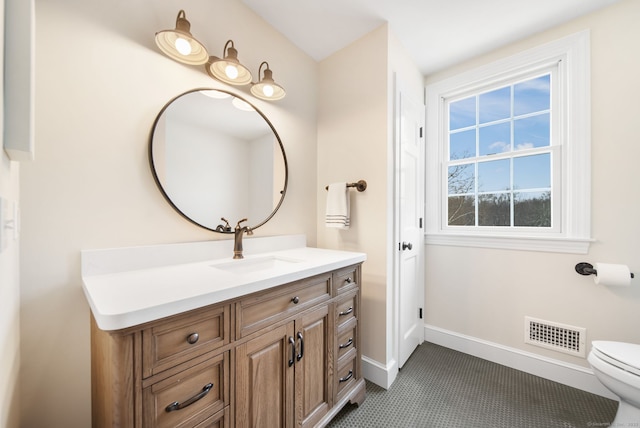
(346, 345)
(295, 300)
(177, 406)
(348, 280)
(301, 354)
(292, 342)
(193, 338)
(347, 312)
(347, 377)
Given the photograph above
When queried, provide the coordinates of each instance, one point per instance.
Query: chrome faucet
(237, 245)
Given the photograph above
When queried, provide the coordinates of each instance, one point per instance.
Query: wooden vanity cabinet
(283, 377)
(348, 383)
(138, 373)
(288, 356)
(287, 367)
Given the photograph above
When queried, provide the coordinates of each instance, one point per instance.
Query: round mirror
(215, 157)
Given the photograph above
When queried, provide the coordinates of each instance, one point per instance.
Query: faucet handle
(240, 221)
(227, 226)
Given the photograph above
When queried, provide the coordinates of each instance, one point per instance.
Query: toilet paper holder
(584, 268)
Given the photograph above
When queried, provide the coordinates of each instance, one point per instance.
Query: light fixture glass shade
(180, 45)
(267, 88)
(228, 69)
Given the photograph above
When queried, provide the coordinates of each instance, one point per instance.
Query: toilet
(617, 366)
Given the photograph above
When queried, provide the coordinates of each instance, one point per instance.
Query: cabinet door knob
(295, 300)
(193, 338)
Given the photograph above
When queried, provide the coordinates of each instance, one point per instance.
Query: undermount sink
(255, 264)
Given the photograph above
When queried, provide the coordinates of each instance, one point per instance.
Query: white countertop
(124, 298)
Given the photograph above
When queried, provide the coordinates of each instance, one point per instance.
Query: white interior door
(410, 287)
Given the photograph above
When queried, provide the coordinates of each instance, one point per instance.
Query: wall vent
(555, 336)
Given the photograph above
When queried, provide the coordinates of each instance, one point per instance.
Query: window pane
(461, 179)
(531, 132)
(461, 211)
(495, 139)
(532, 209)
(532, 95)
(532, 172)
(504, 138)
(462, 144)
(495, 105)
(462, 113)
(494, 176)
(494, 210)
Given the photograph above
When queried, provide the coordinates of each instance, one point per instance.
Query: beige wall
(100, 81)
(352, 145)
(486, 293)
(355, 141)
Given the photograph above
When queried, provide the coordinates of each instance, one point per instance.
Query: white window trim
(574, 53)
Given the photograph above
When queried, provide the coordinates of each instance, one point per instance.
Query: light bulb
(183, 46)
(267, 90)
(231, 71)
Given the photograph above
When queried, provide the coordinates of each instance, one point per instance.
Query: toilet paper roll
(612, 274)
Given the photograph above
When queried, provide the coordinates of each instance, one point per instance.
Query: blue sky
(503, 120)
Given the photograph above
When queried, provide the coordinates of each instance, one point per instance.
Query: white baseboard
(378, 373)
(558, 371)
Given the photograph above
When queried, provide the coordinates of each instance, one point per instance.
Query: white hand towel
(338, 206)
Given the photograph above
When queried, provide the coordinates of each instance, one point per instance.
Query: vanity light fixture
(228, 69)
(267, 88)
(180, 45)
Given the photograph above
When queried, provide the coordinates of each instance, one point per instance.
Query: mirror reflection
(216, 156)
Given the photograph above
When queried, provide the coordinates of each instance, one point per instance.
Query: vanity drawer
(189, 397)
(347, 374)
(347, 338)
(346, 308)
(219, 420)
(178, 339)
(346, 278)
(263, 309)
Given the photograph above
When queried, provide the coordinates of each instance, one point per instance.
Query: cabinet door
(265, 379)
(313, 374)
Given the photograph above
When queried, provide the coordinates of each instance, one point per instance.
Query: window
(508, 152)
(499, 156)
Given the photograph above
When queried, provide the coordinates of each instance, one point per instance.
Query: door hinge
(420, 313)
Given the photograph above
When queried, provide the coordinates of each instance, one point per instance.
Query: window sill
(543, 244)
